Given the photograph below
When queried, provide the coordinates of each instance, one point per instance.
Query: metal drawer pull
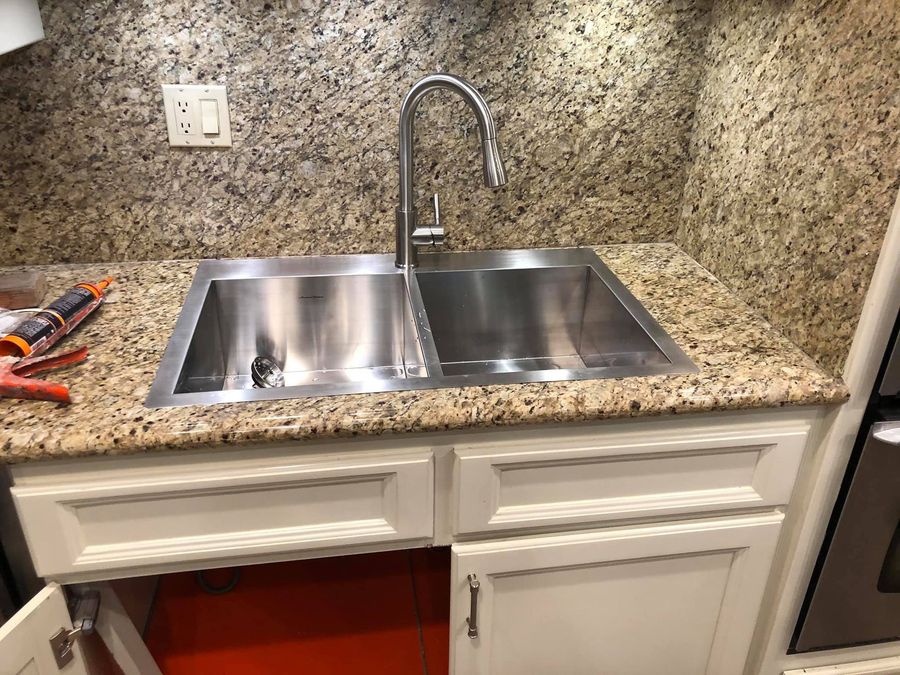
(84, 619)
(472, 621)
(887, 432)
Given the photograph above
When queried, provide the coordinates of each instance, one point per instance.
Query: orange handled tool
(36, 335)
(15, 382)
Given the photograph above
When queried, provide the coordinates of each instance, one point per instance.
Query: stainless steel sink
(531, 318)
(318, 329)
(351, 324)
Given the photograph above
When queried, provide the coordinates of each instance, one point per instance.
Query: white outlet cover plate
(185, 98)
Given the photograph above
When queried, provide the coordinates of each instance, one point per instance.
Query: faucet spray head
(494, 172)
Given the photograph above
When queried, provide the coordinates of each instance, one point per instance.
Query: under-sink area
(358, 324)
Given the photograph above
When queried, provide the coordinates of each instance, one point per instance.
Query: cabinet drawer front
(609, 477)
(127, 519)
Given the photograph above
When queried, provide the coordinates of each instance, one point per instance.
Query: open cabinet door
(25, 639)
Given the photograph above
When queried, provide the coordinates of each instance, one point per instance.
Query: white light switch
(197, 115)
(209, 117)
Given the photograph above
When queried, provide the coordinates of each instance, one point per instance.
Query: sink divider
(424, 336)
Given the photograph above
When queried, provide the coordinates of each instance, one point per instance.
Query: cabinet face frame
(750, 539)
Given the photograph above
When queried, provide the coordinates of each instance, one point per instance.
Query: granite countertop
(744, 363)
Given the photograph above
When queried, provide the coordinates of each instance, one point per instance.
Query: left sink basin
(339, 324)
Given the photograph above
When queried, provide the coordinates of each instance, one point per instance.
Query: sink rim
(161, 394)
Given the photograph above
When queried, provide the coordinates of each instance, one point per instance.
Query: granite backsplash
(594, 104)
(763, 137)
(795, 160)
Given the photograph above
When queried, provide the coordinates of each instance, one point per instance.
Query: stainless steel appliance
(854, 595)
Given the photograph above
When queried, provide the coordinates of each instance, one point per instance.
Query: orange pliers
(15, 382)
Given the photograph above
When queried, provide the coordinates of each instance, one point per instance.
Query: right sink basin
(527, 315)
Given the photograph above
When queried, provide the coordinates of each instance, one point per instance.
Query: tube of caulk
(44, 329)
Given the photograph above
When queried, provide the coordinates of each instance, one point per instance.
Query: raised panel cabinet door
(25, 638)
(676, 598)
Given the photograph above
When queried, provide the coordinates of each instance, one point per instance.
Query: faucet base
(407, 255)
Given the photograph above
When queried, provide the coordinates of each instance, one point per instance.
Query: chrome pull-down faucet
(409, 233)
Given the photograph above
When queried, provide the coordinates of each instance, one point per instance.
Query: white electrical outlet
(184, 116)
(197, 115)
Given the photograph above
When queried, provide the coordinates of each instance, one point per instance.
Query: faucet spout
(492, 165)
(493, 169)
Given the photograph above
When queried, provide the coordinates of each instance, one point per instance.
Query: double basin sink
(356, 324)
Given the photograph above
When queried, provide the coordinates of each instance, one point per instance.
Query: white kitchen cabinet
(677, 598)
(632, 547)
(20, 24)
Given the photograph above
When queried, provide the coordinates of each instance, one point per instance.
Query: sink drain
(266, 373)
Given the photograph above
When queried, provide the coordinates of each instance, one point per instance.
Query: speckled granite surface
(796, 160)
(743, 364)
(593, 101)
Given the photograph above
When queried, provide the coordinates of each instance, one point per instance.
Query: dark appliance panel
(890, 381)
(857, 595)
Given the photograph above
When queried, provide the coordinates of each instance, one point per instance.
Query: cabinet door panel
(678, 598)
(25, 647)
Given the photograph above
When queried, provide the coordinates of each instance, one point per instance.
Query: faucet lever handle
(436, 204)
(431, 235)
(437, 231)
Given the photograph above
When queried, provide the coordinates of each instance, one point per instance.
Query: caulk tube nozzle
(97, 289)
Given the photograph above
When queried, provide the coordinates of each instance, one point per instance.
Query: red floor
(431, 575)
(354, 614)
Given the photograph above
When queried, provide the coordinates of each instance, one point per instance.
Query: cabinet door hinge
(83, 608)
